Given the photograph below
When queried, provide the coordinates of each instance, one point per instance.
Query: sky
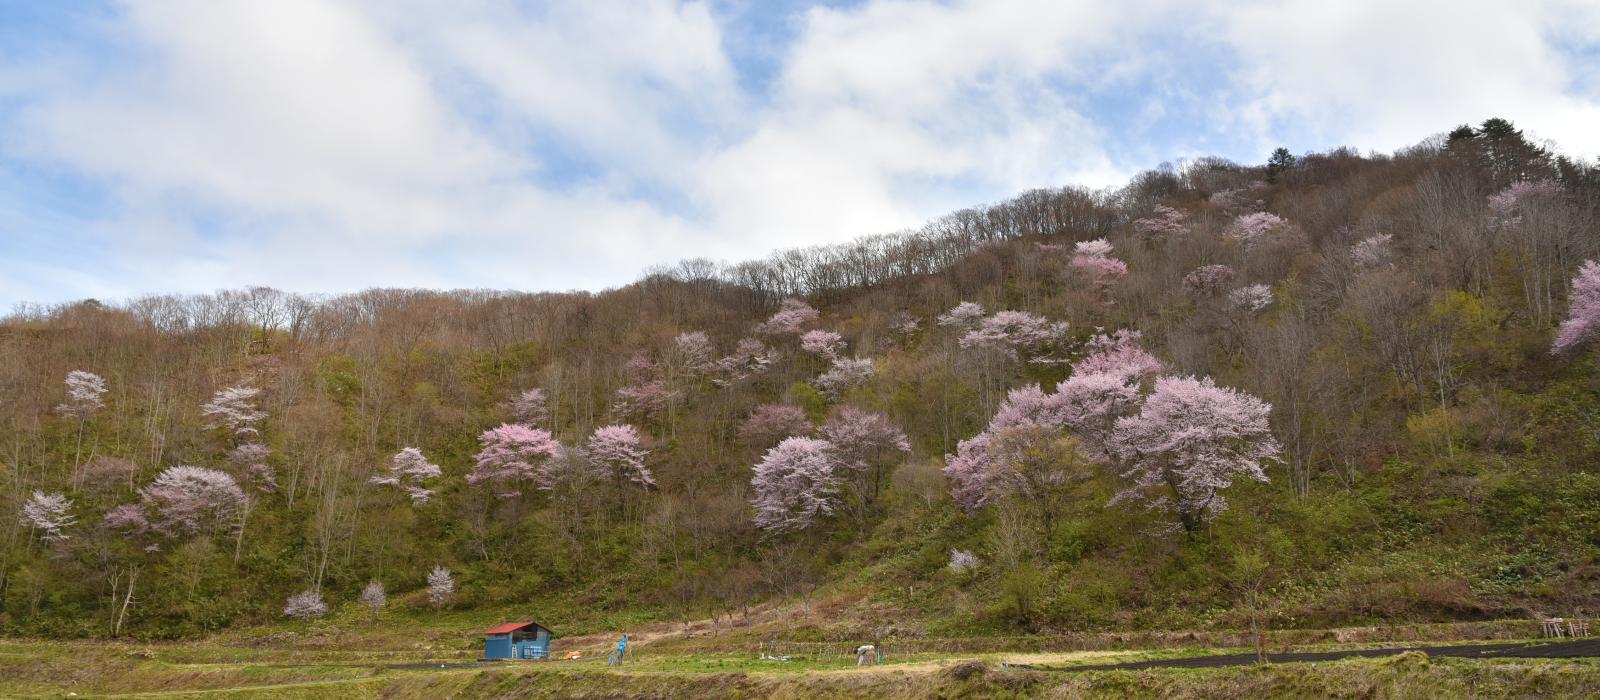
(325, 146)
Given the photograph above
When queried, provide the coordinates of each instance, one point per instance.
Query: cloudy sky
(332, 145)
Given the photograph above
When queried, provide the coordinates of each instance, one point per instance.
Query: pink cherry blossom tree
(250, 459)
(1097, 248)
(1509, 203)
(770, 423)
(614, 452)
(441, 585)
(529, 407)
(866, 444)
(1583, 315)
(187, 500)
(970, 470)
(795, 485)
(1164, 221)
(965, 317)
(846, 373)
(49, 514)
(646, 401)
(1250, 299)
(1250, 229)
(104, 472)
(1119, 354)
(791, 317)
(694, 352)
(514, 455)
(409, 470)
(305, 605)
(1372, 251)
(374, 597)
(750, 357)
(1208, 280)
(1188, 443)
(825, 344)
(1017, 334)
(234, 409)
(84, 392)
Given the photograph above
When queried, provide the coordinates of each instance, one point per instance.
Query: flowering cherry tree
(694, 351)
(1208, 280)
(529, 407)
(409, 470)
(962, 560)
(795, 485)
(250, 459)
(1509, 203)
(750, 357)
(826, 344)
(1251, 298)
(645, 401)
(1089, 405)
(374, 597)
(1371, 251)
(1583, 315)
(234, 409)
(187, 500)
(865, 443)
(84, 392)
(965, 316)
(1250, 229)
(846, 373)
(791, 316)
(513, 455)
(770, 423)
(1163, 221)
(49, 514)
(1017, 333)
(1097, 248)
(1189, 442)
(904, 324)
(305, 605)
(614, 452)
(1119, 354)
(440, 586)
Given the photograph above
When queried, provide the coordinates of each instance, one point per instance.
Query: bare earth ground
(404, 659)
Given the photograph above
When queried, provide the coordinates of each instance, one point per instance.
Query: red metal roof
(510, 627)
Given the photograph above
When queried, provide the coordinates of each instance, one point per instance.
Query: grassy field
(434, 657)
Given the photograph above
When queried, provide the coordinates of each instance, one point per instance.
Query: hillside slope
(1425, 456)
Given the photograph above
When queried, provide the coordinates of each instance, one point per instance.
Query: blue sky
(175, 146)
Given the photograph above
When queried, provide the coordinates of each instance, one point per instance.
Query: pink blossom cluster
(826, 344)
(965, 316)
(1119, 354)
(1163, 221)
(795, 484)
(614, 452)
(1208, 280)
(750, 357)
(49, 514)
(305, 605)
(513, 455)
(770, 423)
(1193, 438)
(234, 409)
(409, 470)
(1018, 334)
(792, 315)
(1509, 203)
(846, 373)
(187, 500)
(645, 401)
(84, 392)
(1251, 298)
(528, 407)
(694, 351)
(1371, 251)
(1250, 229)
(1583, 314)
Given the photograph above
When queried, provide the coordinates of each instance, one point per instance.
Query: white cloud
(333, 145)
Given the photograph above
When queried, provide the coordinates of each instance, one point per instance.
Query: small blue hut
(517, 640)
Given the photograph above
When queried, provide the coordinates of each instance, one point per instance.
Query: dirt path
(1579, 648)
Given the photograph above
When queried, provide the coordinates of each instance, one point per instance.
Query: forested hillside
(1330, 389)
